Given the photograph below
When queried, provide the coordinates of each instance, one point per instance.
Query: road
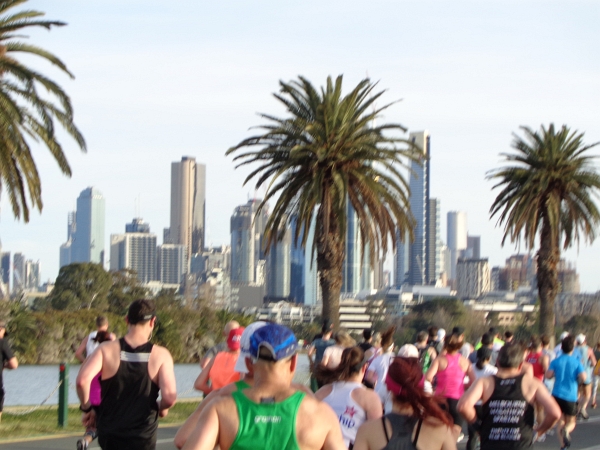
(585, 437)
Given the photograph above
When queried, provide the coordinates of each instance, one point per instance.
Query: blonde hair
(343, 339)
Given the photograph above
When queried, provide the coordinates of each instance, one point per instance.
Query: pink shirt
(95, 391)
(450, 380)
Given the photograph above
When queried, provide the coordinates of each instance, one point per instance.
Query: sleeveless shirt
(128, 408)
(91, 344)
(267, 425)
(584, 357)
(450, 381)
(350, 414)
(222, 371)
(535, 360)
(507, 418)
(402, 430)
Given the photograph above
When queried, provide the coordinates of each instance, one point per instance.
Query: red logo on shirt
(350, 411)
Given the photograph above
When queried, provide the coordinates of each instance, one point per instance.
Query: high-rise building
(19, 273)
(456, 238)
(357, 273)
(66, 248)
(172, 263)
(303, 271)
(88, 243)
(32, 275)
(473, 247)
(473, 278)
(188, 205)
(247, 229)
(278, 268)
(5, 268)
(135, 250)
(434, 269)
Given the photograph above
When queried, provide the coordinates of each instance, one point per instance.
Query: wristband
(82, 409)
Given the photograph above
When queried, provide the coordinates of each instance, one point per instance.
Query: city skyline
(477, 74)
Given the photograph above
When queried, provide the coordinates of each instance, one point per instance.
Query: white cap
(240, 364)
(580, 338)
(441, 334)
(408, 351)
(563, 335)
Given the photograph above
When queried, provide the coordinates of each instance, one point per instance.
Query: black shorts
(1, 399)
(567, 408)
(453, 410)
(122, 443)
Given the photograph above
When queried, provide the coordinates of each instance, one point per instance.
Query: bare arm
(470, 373)
(190, 424)
(545, 362)
(550, 374)
(373, 407)
(552, 411)
(334, 439)
(206, 434)
(466, 405)
(201, 383)
(81, 349)
(326, 356)
(433, 369)
(90, 368)
(12, 363)
(592, 357)
(166, 383)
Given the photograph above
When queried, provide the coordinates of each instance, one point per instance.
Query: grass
(44, 421)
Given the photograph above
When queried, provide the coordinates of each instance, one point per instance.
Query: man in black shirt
(7, 360)
(368, 337)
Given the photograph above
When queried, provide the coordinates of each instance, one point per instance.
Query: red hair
(407, 373)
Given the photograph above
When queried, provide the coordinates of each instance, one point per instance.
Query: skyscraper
(66, 248)
(188, 204)
(473, 247)
(357, 273)
(457, 238)
(19, 273)
(88, 243)
(247, 229)
(434, 243)
(278, 268)
(172, 263)
(303, 272)
(5, 268)
(135, 250)
(32, 275)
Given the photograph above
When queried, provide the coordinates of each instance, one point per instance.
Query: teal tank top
(273, 425)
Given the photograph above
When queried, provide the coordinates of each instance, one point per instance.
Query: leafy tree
(81, 285)
(548, 188)
(326, 158)
(25, 115)
(589, 325)
(125, 289)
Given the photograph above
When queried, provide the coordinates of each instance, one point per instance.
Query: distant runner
(221, 346)
(7, 360)
(89, 344)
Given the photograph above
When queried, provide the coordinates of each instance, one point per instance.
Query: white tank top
(350, 414)
(91, 344)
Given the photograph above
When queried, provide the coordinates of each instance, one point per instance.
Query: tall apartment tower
(88, 242)
(188, 205)
(278, 268)
(473, 247)
(303, 271)
(247, 229)
(19, 273)
(357, 273)
(5, 268)
(135, 250)
(32, 276)
(473, 278)
(412, 258)
(433, 270)
(457, 238)
(172, 263)
(66, 248)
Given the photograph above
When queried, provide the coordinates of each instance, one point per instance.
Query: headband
(395, 388)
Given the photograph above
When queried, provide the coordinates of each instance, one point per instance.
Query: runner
(568, 373)
(272, 414)
(427, 352)
(220, 371)
(535, 357)
(416, 420)
(134, 371)
(352, 402)
(378, 368)
(366, 344)
(588, 361)
(506, 421)
(7, 361)
(596, 374)
(558, 348)
(450, 369)
(221, 346)
(315, 354)
(333, 354)
(88, 344)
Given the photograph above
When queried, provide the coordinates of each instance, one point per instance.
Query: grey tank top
(402, 429)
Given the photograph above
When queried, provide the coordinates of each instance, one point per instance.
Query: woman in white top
(351, 401)
(333, 354)
(378, 368)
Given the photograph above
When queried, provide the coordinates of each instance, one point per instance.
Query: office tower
(303, 270)
(473, 278)
(457, 238)
(88, 243)
(247, 229)
(172, 263)
(66, 248)
(5, 267)
(135, 250)
(473, 247)
(357, 273)
(412, 258)
(278, 266)
(19, 273)
(32, 276)
(188, 203)
(433, 270)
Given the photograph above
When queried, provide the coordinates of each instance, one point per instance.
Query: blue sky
(159, 80)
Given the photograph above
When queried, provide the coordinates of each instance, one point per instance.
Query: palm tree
(548, 188)
(325, 153)
(26, 115)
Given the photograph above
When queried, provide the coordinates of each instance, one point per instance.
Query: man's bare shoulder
(162, 352)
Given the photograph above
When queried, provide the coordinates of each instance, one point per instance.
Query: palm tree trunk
(547, 277)
(330, 260)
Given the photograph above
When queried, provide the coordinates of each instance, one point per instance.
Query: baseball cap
(240, 364)
(563, 335)
(408, 351)
(441, 334)
(279, 341)
(234, 338)
(580, 338)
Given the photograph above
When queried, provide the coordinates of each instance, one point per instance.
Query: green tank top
(241, 385)
(271, 424)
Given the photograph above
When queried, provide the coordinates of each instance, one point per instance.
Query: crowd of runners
(363, 396)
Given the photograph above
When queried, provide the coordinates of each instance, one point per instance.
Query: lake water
(30, 385)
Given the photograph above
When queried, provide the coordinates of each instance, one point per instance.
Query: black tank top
(507, 418)
(128, 407)
(402, 430)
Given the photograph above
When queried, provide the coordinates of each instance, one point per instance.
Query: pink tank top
(95, 390)
(450, 381)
